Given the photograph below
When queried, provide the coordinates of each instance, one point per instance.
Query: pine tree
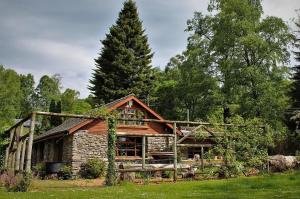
(124, 64)
(295, 91)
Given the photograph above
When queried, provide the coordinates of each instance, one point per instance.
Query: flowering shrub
(16, 183)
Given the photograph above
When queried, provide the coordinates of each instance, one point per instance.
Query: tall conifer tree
(124, 64)
(295, 92)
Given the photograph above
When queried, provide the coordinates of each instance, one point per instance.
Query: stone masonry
(159, 144)
(87, 146)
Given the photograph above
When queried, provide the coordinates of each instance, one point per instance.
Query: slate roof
(65, 126)
(111, 104)
(72, 122)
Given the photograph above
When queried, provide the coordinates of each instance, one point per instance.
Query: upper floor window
(129, 112)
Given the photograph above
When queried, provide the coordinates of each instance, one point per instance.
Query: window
(131, 113)
(129, 146)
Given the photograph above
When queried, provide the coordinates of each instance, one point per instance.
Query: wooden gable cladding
(100, 126)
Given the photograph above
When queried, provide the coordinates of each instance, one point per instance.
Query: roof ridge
(118, 100)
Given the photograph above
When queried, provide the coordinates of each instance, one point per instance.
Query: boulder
(282, 163)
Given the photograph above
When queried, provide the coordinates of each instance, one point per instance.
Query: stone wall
(87, 146)
(159, 144)
(67, 149)
(81, 146)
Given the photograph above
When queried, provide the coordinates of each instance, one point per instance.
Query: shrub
(16, 183)
(297, 154)
(230, 170)
(65, 173)
(40, 169)
(167, 174)
(92, 169)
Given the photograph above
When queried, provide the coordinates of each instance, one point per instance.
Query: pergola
(19, 149)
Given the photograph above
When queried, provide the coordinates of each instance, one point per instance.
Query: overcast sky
(63, 36)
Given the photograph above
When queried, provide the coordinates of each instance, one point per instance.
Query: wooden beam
(65, 115)
(194, 145)
(175, 151)
(188, 134)
(143, 152)
(146, 135)
(12, 133)
(121, 119)
(18, 123)
(30, 142)
(144, 170)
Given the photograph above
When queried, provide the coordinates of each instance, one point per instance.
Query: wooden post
(175, 152)
(30, 142)
(23, 155)
(6, 157)
(18, 154)
(13, 160)
(19, 147)
(188, 116)
(202, 162)
(143, 152)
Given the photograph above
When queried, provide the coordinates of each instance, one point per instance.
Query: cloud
(62, 36)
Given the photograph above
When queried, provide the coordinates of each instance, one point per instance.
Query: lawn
(286, 185)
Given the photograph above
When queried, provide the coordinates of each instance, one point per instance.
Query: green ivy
(111, 177)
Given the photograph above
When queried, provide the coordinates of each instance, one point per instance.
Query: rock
(282, 163)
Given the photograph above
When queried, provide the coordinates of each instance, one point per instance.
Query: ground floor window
(129, 146)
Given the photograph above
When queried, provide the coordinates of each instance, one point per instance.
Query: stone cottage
(76, 140)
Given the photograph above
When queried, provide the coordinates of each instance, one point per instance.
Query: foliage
(65, 173)
(93, 168)
(295, 87)
(123, 66)
(187, 85)
(27, 94)
(101, 112)
(167, 174)
(10, 96)
(55, 107)
(40, 169)
(48, 89)
(16, 183)
(111, 175)
(244, 145)
(68, 99)
(293, 114)
(248, 55)
(81, 106)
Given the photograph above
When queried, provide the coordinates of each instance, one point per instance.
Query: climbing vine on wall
(111, 176)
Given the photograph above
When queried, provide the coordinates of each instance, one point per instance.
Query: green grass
(286, 185)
